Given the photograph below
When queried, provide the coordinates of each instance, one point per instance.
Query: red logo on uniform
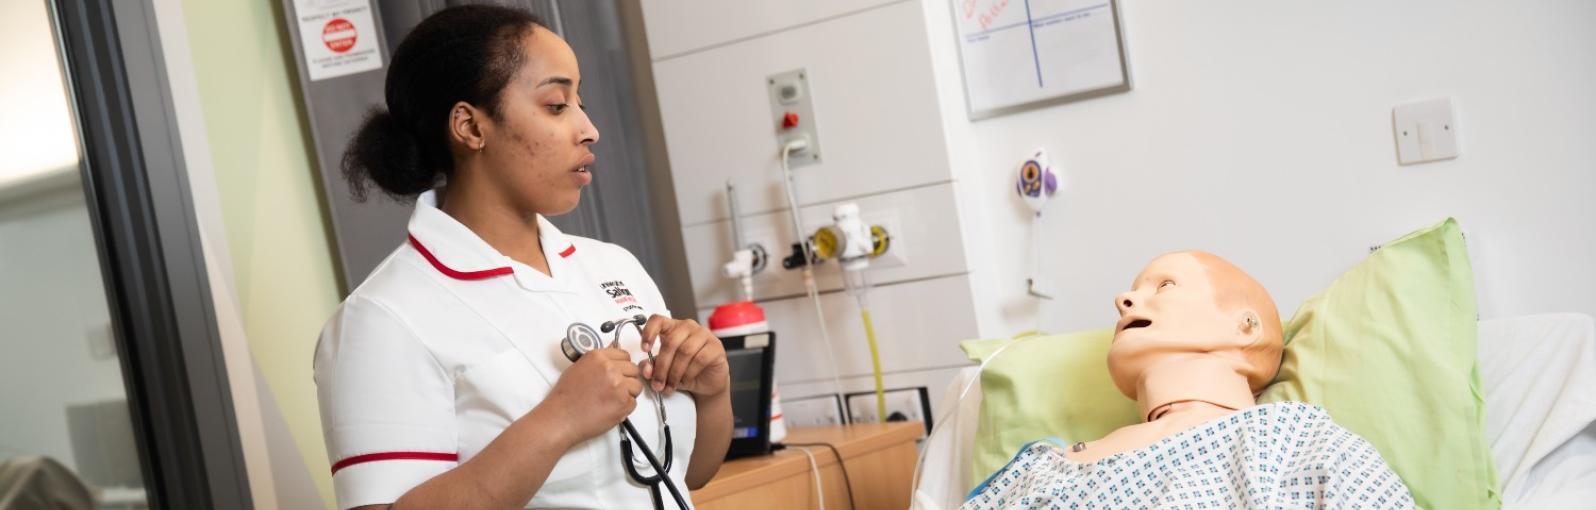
(338, 35)
(622, 296)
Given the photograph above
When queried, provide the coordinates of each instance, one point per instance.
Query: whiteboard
(1023, 53)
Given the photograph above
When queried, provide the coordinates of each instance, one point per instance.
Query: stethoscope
(581, 339)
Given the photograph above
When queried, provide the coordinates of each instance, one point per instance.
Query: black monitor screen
(746, 374)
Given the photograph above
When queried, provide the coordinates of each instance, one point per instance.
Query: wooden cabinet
(879, 459)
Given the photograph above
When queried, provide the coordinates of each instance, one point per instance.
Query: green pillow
(1042, 386)
(1411, 387)
(1399, 331)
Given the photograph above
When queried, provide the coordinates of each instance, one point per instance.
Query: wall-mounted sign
(338, 37)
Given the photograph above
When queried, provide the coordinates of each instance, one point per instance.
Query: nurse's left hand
(690, 357)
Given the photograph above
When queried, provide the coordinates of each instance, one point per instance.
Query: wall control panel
(792, 112)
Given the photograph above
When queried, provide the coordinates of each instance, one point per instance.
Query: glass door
(112, 390)
(66, 437)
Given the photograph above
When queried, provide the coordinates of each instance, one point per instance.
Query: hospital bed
(1540, 382)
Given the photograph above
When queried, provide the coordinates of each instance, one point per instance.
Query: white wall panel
(918, 326)
(923, 226)
(675, 27)
(875, 102)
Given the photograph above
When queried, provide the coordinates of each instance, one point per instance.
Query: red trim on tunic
(371, 457)
(460, 275)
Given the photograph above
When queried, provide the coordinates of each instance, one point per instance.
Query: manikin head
(1195, 304)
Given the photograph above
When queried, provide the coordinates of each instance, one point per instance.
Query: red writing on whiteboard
(992, 13)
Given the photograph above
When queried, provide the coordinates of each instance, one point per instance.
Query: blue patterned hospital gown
(1283, 455)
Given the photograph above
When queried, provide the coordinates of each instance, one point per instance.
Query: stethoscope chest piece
(580, 339)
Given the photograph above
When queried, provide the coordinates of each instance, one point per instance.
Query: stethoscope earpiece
(635, 320)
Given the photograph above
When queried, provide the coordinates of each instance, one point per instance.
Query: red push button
(789, 121)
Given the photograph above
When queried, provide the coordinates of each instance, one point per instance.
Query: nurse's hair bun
(465, 53)
(384, 153)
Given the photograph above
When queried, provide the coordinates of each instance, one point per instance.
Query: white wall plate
(1425, 131)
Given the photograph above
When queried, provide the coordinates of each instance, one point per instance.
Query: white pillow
(1540, 391)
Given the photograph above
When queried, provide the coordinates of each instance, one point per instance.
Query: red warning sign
(338, 35)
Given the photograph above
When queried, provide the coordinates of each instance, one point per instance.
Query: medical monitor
(751, 360)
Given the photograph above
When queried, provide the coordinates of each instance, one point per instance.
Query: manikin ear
(467, 127)
(1250, 326)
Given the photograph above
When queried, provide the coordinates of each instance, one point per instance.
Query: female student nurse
(440, 379)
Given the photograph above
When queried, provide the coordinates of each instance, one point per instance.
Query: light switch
(1425, 131)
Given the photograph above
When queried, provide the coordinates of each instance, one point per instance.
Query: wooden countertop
(850, 440)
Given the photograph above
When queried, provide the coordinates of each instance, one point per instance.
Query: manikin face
(1172, 295)
(1172, 310)
(538, 145)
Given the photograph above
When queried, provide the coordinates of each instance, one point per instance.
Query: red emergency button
(789, 121)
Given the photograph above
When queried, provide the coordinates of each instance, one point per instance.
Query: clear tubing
(942, 422)
(808, 271)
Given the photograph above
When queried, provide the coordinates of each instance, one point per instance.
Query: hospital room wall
(1262, 132)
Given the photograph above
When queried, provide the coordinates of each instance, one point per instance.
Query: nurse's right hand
(596, 393)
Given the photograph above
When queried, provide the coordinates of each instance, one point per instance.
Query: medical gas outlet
(748, 258)
(849, 240)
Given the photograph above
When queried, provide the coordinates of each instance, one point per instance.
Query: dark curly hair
(465, 53)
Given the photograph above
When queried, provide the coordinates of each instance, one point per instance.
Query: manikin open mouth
(1138, 323)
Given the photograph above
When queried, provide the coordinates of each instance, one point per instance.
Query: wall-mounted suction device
(1036, 185)
(748, 259)
(852, 243)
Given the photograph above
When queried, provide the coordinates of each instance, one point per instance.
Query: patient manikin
(1197, 340)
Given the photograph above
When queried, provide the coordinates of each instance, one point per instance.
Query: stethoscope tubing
(660, 472)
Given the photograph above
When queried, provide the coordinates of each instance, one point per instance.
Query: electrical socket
(903, 404)
(823, 410)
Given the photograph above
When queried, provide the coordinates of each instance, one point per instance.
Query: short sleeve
(387, 406)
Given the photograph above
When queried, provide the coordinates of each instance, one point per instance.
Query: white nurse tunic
(449, 341)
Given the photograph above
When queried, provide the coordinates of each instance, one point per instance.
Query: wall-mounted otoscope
(1035, 185)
